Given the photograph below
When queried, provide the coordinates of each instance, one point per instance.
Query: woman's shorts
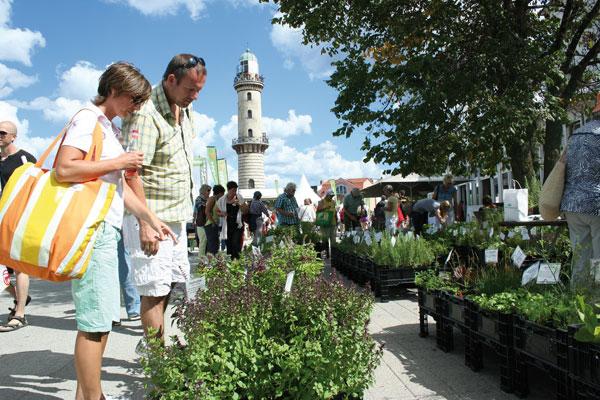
(96, 296)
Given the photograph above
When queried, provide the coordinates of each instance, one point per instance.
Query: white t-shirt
(307, 213)
(79, 135)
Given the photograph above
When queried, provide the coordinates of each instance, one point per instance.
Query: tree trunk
(553, 138)
(522, 161)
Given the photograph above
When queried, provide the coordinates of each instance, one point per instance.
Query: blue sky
(52, 53)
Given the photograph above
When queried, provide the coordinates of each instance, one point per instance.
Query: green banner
(212, 162)
(200, 170)
(222, 169)
(334, 188)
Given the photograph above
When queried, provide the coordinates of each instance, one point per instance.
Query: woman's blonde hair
(123, 78)
(444, 207)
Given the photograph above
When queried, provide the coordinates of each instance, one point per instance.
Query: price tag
(511, 234)
(502, 236)
(491, 256)
(595, 269)
(410, 235)
(378, 236)
(289, 281)
(269, 239)
(356, 239)
(518, 257)
(534, 231)
(548, 274)
(491, 232)
(448, 258)
(281, 244)
(256, 251)
(524, 233)
(393, 240)
(368, 239)
(530, 274)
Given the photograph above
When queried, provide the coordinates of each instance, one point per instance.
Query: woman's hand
(131, 160)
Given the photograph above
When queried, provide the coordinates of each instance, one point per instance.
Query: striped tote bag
(48, 228)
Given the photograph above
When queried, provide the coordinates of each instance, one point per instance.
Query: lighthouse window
(250, 114)
(249, 132)
(248, 96)
(250, 183)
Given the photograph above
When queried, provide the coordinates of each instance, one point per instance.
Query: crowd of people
(141, 246)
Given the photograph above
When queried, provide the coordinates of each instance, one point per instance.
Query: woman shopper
(231, 207)
(446, 191)
(121, 90)
(328, 232)
(581, 197)
(212, 227)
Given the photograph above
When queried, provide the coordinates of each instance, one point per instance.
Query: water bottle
(134, 136)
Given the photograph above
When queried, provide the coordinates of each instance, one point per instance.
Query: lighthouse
(251, 141)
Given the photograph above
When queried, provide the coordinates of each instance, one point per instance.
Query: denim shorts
(96, 295)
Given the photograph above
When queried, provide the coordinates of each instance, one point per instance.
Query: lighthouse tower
(251, 143)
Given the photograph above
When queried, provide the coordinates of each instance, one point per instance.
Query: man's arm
(144, 126)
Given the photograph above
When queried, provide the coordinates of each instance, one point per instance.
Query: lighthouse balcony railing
(250, 140)
(246, 77)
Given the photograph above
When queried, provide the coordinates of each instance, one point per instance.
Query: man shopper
(164, 126)
(286, 206)
(11, 157)
(353, 209)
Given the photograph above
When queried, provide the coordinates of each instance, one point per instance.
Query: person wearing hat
(255, 221)
(327, 205)
(11, 158)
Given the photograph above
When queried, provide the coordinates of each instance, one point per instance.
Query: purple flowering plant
(246, 338)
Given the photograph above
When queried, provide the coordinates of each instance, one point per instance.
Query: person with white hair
(286, 206)
(11, 157)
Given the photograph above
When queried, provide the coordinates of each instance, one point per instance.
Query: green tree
(464, 84)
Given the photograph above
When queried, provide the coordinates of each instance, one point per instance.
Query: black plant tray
(581, 390)
(545, 348)
(454, 309)
(584, 360)
(386, 279)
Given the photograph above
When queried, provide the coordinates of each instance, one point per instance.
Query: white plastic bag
(515, 204)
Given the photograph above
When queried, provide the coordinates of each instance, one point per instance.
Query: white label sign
(518, 257)
(491, 256)
(281, 244)
(511, 234)
(445, 275)
(356, 239)
(530, 274)
(448, 258)
(549, 273)
(378, 236)
(595, 269)
(269, 239)
(368, 239)
(289, 281)
(524, 233)
(393, 240)
(502, 236)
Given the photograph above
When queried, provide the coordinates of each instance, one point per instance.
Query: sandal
(22, 322)
(13, 310)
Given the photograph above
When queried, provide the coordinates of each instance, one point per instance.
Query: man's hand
(149, 239)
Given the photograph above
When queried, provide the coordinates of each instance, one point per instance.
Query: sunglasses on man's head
(137, 100)
(193, 61)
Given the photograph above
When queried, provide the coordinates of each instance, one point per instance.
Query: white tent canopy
(304, 191)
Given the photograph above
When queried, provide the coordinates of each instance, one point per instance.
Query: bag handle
(94, 152)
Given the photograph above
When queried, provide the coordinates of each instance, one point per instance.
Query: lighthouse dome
(248, 63)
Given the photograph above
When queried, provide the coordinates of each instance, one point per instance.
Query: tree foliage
(463, 84)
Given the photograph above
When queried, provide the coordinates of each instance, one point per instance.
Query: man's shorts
(97, 295)
(154, 275)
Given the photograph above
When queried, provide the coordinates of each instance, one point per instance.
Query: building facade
(251, 142)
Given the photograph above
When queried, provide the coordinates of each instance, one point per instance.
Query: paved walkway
(36, 362)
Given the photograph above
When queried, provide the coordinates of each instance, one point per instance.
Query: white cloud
(16, 44)
(286, 163)
(195, 8)
(32, 144)
(294, 125)
(11, 79)
(205, 133)
(80, 81)
(289, 42)
(77, 86)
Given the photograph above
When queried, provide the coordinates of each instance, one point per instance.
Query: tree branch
(585, 22)
(562, 29)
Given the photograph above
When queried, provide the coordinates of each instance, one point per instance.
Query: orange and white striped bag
(48, 228)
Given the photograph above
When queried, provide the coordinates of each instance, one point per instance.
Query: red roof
(350, 184)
